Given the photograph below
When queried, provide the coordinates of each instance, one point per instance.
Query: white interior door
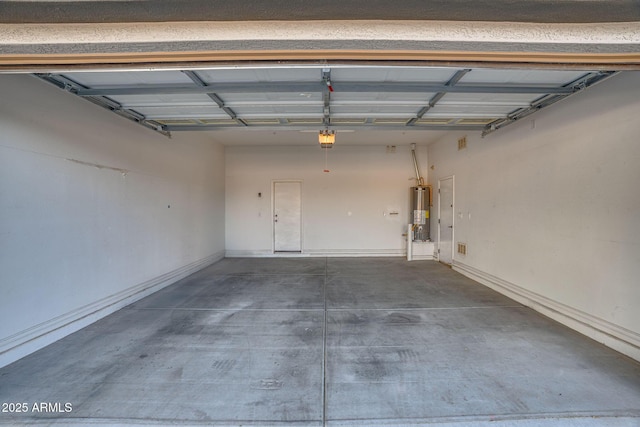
(287, 216)
(445, 220)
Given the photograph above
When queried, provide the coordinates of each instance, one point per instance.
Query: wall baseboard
(614, 336)
(422, 258)
(32, 339)
(257, 254)
(318, 253)
(357, 252)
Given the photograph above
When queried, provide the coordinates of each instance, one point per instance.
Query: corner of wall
(614, 336)
(30, 340)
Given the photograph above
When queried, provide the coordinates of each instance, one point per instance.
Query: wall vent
(462, 248)
(462, 143)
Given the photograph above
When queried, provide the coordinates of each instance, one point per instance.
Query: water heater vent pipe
(415, 164)
(419, 178)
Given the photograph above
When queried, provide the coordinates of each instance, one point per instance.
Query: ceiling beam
(318, 86)
(438, 96)
(214, 97)
(592, 58)
(72, 86)
(364, 127)
(549, 94)
(577, 85)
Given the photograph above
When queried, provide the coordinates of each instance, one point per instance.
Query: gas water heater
(420, 202)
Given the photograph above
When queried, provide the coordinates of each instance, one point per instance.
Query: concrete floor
(313, 342)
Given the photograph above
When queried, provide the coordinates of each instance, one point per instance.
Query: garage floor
(314, 341)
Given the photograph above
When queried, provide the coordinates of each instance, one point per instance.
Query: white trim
(273, 213)
(409, 242)
(453, 215)
(357, 252)
(264, 253)
(618, 338)
(318, 253)
(423, 258)
(416, 250)
(32, 339)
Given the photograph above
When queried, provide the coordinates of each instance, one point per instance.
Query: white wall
(550, 210)
(345, 212)
(85, 222)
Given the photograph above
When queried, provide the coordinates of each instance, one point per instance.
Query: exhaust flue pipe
(419, 179)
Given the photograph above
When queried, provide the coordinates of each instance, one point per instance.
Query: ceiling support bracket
(74, 87)
(214, 97)
(575, 86)
(326, 96)
(438, 96)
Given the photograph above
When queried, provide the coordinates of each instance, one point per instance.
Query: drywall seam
(98, 166)
(607, 333)
(29, 340)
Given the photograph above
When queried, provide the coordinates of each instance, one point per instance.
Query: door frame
(453, 216)
(273, 213)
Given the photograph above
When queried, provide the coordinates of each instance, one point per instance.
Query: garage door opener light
(327, 138)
